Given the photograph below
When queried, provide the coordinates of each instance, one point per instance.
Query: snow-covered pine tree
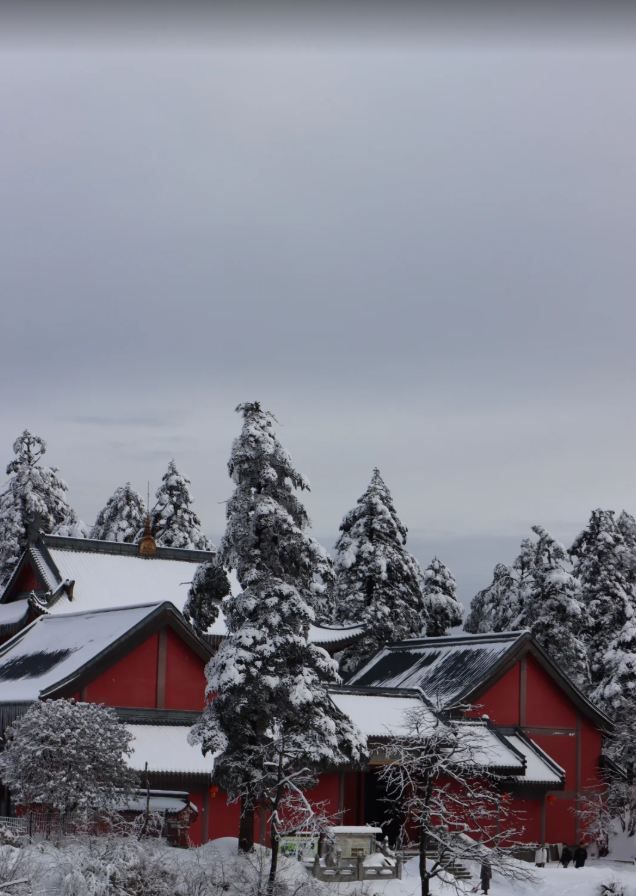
(553, 610)
(627, 527)
(616, 692)
(606, 594)
(34, 496)
(209, 586)
(267, 684)
(486, 603)
(122, 517)
(378, 583)
(443, 610)
(500, 607)
(174, 522)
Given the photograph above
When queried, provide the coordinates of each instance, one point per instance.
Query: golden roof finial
(147, 543)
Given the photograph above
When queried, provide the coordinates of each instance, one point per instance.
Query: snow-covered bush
(67, 756)
(612, 887)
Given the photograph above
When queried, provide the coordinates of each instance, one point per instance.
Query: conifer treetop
(122, 518)
(174, 522)
(378, 582)
(35, 497)
(441, 606)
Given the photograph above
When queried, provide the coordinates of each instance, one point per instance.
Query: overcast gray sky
(417, 251)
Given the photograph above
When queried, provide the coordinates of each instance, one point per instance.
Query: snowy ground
(103, 867)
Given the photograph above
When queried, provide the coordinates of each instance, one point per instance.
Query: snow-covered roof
(105, 580)
(540, 768)
(169, 801)
(318, 634)
(444, 669)
(166, 749)
(54, 648)
(484, 746)
(361, 830)
(11, 615)
(379, 715)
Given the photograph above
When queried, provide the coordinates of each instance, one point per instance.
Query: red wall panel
(185, 677)
(196, 828)
(560, 821)
(525, 812)
(132, 681)
(26, 581)
(561, 748)
(501, 701)
(327, 791)
(223, 820)
(546, 704)
(591, 745)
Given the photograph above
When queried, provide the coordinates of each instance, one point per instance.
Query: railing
(355, 869)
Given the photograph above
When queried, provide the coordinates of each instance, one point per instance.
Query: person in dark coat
(485, 875)
(580, 855)
(566, 856)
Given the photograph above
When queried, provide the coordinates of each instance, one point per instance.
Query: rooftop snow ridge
(447, 640)
(96, 546)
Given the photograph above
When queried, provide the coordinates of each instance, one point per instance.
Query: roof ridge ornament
(147, 544)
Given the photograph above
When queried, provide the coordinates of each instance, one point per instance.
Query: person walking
(566, 856)
(541, 856)
(580, 855)
(485, 875)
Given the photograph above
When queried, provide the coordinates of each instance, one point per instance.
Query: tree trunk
(246, 827)
(423, 871)
(273, 865)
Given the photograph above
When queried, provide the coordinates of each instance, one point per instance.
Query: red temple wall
(129, 682)
(501, 701)
(185, 676)
(546, 704)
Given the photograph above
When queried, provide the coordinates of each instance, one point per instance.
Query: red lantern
(552, 798)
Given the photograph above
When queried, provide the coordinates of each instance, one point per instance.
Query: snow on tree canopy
(122, 517)
(174, 523)
(34, 497)
(68, 756)
(267, 524)
(500, 606)
(553, 610)
(378, 583)
(269, 687)
(443, 610)
(209, 586)
(606, 593)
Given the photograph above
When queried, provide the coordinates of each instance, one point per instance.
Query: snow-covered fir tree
(500, 607)
(616, 692)
(35, 498)
(606, 594)
(209, 586)
(68, 756)
(439, 589)
(122, 518)
(378, 582)
(486, 603)
(627, 527)
(174, 522)
(553, 610)
(267, 684)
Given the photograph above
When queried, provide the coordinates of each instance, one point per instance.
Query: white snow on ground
(86, 868)
(99, 866)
